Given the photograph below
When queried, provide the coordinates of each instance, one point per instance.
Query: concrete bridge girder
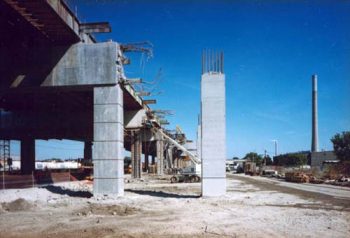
(64, 86)
(84, 69)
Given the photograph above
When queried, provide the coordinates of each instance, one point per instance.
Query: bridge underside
(56, 82)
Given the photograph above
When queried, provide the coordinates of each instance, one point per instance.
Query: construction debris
(297, 177)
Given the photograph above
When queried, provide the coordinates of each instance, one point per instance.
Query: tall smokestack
(314, 143)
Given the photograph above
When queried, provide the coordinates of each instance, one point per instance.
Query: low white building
(42, 165)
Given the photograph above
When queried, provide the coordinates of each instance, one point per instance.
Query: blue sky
(271, 50)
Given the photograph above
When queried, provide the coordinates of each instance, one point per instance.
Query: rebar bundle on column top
(212, 61)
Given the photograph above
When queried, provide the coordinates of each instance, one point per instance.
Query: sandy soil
(253, 207)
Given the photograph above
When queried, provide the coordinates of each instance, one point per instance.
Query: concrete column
(213, 125)
(87, 150)
(166, 158)
(153, 160)
(160, 157)
(175, 163)
(139, 155)
(199, 141)
(27, 156)
(133, 155)
(136, 149)
(108, 145)
(146, 157)
(170, 157)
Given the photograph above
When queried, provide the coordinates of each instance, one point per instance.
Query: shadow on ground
(161, 194)
(71, 193)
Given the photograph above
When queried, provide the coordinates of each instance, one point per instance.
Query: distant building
(44, 164)
(319, 158)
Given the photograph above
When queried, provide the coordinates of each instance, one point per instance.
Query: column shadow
(160, 194)
(71, 193)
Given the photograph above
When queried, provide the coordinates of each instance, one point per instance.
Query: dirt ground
(253, 207)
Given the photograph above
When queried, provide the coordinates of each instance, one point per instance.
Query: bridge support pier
(153, 160)
(170, 157)
(27, 155)
(108, 148)
(213, 123)
(160, 156)
(146, 158)
(87, 150)
(136, 150)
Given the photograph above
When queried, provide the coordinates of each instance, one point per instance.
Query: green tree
(254, 157)
(341, 145)
(235, 158)
(291, 159)
(268, 160)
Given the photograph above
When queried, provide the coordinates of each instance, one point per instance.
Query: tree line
(341, 147)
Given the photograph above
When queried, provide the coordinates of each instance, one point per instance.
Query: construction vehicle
(190, 174)
(250, 168)
(297, 177)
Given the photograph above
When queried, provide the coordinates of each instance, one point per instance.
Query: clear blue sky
(271, 50)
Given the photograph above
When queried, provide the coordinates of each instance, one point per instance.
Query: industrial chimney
(314, 143)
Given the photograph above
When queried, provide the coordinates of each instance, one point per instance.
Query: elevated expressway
(57, 82)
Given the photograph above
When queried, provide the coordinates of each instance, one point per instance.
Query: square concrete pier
(213, 134)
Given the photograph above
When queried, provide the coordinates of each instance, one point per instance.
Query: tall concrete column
(175, 163)
(153, 160)
(160, 157)
(136, 149)
(133, 154)
(170, 156)
(166, 158)
(87, 150)
(199, 140)
(213, 126)
(27, 156)
(146, 157)
(108, 145)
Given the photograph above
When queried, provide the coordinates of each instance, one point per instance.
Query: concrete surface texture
(199, 142)
(108, 145)
(85, 64)
(213, 124)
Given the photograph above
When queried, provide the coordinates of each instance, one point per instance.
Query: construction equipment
(192, 157)
(297, 177)
(189, 174)
(250, 168)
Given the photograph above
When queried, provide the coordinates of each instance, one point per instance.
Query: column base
(213, 187)
(109, 186)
